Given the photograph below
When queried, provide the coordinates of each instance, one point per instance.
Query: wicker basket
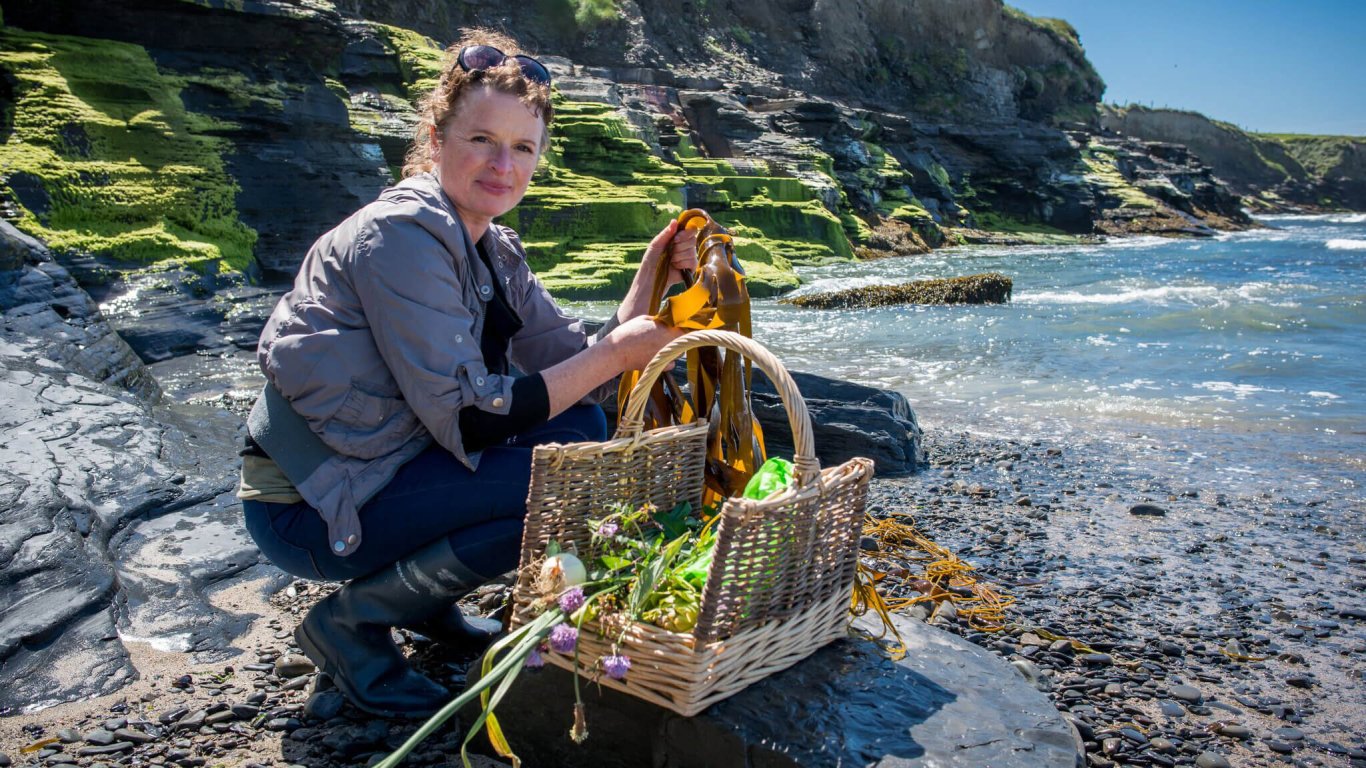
(783, 569)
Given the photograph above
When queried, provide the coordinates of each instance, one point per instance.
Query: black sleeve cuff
(480, 429)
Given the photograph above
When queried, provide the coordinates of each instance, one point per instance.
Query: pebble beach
(1219, 629)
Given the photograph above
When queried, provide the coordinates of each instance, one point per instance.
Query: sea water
(1237, 357)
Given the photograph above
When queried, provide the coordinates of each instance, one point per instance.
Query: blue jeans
(431, 496)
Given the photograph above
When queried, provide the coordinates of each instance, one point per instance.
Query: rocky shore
(1219, 629)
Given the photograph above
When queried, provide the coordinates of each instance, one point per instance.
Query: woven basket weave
(783, 569)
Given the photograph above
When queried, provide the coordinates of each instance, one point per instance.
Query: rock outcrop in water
(989, 288)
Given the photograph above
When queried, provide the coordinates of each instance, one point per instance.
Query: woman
(392, 443)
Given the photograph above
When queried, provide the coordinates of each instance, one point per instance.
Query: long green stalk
(508, 664)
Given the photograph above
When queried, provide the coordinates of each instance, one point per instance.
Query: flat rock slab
(948, 703)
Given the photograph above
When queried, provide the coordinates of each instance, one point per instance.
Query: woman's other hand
(678, 246)
(674, 249)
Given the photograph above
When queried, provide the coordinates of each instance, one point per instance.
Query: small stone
(192, 721)
(69, 735)
(1172, 709)
(182, 682)
(283, 724)
(1300, 681)
(1162, 745)
(135, 736)
(1283, 747)
(4, 760)
(245, 711)
(220, 717)
(1114, 689)
(1096, 659)
(115, 723)
(293, 665)
(1212, 760)
(297, 683)
(99, 737)
(869, 544)
(324, 705)
(1289, 734)
(1024, 501)
(1187, 693)
(1147, 510)
(107, 749)
(1234, 731)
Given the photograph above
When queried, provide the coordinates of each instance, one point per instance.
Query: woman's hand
(674, 249)
(638, 339)
(678, 246)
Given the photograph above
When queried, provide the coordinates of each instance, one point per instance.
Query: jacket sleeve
(411, 290)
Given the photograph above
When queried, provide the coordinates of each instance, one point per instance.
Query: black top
(530, 401)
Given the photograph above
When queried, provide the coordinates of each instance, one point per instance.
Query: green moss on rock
(127, 172)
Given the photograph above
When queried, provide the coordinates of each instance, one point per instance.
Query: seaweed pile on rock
(986, 288)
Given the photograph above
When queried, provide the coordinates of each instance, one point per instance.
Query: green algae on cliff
(104, 159)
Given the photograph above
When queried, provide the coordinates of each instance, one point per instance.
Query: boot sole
(312, 651)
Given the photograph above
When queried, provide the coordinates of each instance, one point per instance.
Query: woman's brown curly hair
(441, 105)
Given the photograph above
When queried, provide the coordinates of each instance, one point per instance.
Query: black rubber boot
(458, 632)
(347, 634)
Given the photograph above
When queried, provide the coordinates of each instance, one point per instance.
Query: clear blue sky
(1265, 65)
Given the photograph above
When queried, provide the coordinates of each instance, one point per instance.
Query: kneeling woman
(411, 368)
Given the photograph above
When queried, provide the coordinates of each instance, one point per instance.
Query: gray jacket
(377, 348)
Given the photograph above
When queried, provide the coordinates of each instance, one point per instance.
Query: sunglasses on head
(474, 58)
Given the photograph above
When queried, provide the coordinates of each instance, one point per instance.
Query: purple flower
(562, 638)
(534, 660)
(572, 599)
(616, 667)
(607, 530)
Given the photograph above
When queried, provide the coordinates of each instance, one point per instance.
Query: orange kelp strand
(719, 382)
(948, 576)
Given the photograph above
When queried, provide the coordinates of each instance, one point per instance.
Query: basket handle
(631, 421)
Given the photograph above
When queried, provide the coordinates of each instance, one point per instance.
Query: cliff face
(1272, 170)
(153, 143)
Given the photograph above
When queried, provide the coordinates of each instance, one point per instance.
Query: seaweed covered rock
(987, 288)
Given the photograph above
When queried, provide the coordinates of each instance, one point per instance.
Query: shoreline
(1156, 598)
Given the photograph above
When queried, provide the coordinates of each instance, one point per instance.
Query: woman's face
(487, 156)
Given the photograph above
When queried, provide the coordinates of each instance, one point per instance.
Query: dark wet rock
(135, 736)
(99, 737)
(108, 749)
(847, 420)
(990, 288)
(1186, 693)
(1212, 760)
(1147, 510)
(1282, 747)
(324, 705)
(59, 322)
(192, 721)
(94, 481)
(5, 761)
(948, 703)
(69, 735)
(1300, 681)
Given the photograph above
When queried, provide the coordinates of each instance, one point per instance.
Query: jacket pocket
(367, 406)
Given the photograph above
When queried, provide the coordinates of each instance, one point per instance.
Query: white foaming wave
(1322, 395)
(1239, 391)
(1336, 218)
(1344, 244)
(1154, 295)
